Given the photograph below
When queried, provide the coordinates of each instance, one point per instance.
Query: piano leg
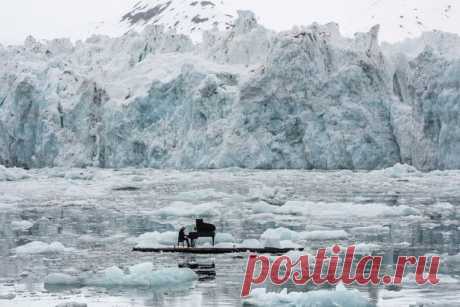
(213, 241)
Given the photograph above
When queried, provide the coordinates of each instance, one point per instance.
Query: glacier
(248, 97)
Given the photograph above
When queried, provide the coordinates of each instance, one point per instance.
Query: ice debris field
(73, 230)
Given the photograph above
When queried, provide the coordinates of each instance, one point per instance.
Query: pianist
(183, 237)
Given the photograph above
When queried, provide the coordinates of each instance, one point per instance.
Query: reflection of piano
(203, 230)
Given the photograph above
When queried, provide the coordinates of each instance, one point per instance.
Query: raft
(217, 250)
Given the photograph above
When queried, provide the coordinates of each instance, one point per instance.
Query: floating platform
(217, 250)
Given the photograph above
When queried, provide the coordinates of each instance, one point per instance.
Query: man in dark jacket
(183, 238)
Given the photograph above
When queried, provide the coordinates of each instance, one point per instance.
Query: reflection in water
(205, 271)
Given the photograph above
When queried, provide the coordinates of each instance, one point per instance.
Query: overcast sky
(66, 18)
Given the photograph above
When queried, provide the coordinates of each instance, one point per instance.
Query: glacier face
(247, 97)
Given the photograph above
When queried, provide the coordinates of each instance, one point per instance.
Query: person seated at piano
(183, 237)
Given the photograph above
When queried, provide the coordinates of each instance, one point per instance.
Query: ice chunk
(38, 247)
(272, 196)
(138, 275)
(280, 234)
(289, 244)
(377, 229)
(62, 280)
(21, 225)
(262, 207)
(155, 239)
(340, 297)
(12, 174)
(398, 170)
(344, 210)
(91, 241)
(319, 235)
(200, 195)
(224, 238)
(189, 210)
(224, 245)
(399, 211)
(79, 174)
(72, 304)
(251, 243)
(9, 296)
(280, 238)
(367, 248)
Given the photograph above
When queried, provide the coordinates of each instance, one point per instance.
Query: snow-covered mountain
(49, 19)
(188, 17)
(243, 97)
(398, 19)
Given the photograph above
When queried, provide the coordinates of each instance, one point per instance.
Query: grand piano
(202, 230)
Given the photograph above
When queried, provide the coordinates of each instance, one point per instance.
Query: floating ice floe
(262, 207)
(202, 195)
(272, 196)
(135, 276)
(373, 230)
(72, 304)
(21, 225)
(169, 239)
(280, 234)
(288, 244)
(399, 211)
(155, 239)
(410, 279)
(79, 174)
(398, 170)
(251, 243)
(320, 235)
(453, 259)
(221, 245)
(224, 238)
(340, 297)
(62, 279)
(38, 247)
(8, 296)
(12, 174)
(185, 209)
(344, 210)
(367, 248)
(284, 234)
(88, 240)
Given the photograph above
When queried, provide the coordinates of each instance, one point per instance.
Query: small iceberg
(140, 275)
(340, 297)
(38, 247)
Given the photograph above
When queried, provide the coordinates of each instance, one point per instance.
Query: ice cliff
(246, 97)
